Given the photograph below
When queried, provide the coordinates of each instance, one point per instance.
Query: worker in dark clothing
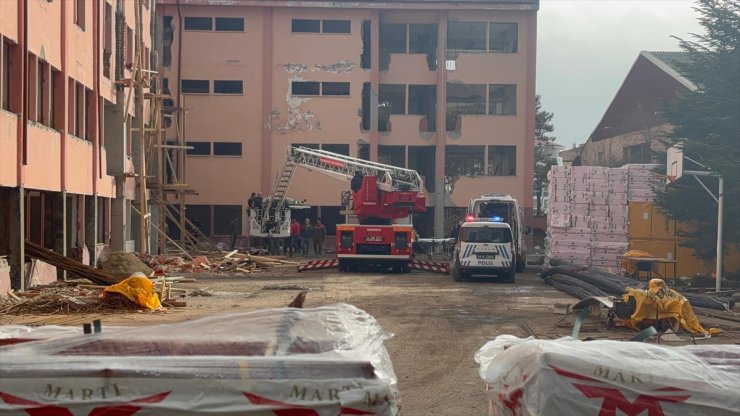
(258, 201)
(356, 183)
(250, 201)
(319, 235)
(233, 231)
(306, 235)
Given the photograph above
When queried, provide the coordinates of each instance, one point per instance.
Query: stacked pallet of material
(588, 212)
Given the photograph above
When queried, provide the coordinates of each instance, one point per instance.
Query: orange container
(640, 214)
(688, 264)
(661, 228)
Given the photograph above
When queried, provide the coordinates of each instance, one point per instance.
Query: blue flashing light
(497, 219)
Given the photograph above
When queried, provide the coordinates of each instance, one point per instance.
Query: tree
(543, 159)
(707, 121)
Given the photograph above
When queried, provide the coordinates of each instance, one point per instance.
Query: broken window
(423, 39)
(199, 149)
(502, 100)
(305, 26)
(228, 87)
(462, 161)
(80, 13)
(195, 86)
(366, 92)
(423, 101)
(227, 149)
(230, 24)
(223, 215)
(340, 148)
(464, 99)
(200, 216)
(392, 155)
(392, 40)
(465, 37)
(167, 38)
(503, 37)
(366, 40)
(502, 160)
(336, 26)
(363, 151)
(199, 23)
(305, 88)
(107, 40)
(422, 159)
(335, 88)
(638, 153)
(392, 96)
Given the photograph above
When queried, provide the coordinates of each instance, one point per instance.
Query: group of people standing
(303, 236)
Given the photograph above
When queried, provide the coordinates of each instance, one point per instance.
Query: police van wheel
(521, 264)
(456, 275)
(343, 266)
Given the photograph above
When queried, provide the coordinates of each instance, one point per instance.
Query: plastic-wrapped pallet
(324, 361)
(567, 377)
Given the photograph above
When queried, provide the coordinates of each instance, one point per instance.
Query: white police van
(484, 248)
(503, 208)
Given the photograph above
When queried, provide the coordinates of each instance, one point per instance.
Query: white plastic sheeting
(570, 377)
(323, 361)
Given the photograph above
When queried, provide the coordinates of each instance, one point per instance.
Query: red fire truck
(379, 207)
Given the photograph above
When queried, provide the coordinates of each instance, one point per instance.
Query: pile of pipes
(583, 282)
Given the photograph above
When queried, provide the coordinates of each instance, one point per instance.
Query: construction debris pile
(588, 215)
(124, 265)
(570, 377)
(329, 361)
(232, 262)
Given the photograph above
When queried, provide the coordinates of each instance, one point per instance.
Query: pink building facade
(443, 87)
(64, 141)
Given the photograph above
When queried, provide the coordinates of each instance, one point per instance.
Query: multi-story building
(65, 149)
(441, 86)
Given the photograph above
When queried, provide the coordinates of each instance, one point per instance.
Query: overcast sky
(585, 49)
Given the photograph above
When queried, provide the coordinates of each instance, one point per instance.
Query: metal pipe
(720, 221)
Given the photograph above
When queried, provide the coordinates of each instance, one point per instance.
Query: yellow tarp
(139, 290)
(660, 302)
(629, 265)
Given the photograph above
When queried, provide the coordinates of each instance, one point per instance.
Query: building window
(466, 37)
(463, 161)
(638, 153)
(200, 216)
(305, 26)
(464, 99)
(230, 24)
(392, 97)
(336, 26)
(393, 38)
(502, 160)
(339, 148)
(305, 88)
(423, 101)
(228, 87)
(335, 88)
(199, 148)
(195, 86)
(502, 100)
(392, 155)
(79, 7)
(5, 76)
(199, 23)
(227, 149)
(227, 219)
(107, 40)
(503, 37)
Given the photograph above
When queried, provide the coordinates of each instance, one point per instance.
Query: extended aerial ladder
(381, 195)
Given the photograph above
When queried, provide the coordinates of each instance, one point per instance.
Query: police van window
(485, 235)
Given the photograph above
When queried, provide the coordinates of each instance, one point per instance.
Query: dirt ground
(438, 324)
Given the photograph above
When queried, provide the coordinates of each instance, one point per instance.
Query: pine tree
(542, 160)
(707, 121)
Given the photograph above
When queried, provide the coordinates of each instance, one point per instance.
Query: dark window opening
(228, 87)
(465, 37)
(330, 217)
(502, 160)
(168, 34)
(107, 40)
(80, 13)
(335, 88)
(200, 216)
(5, 73)
(199, 23)
(336, 26)
(503, 38)
(227, 219)
(392, 96)
(423, 39)
(464, 99)
(422, 159)
(423, 101)
(392, 155)
(305, 88)
(462, 161)
(199, 148)
(363, 151)
(392, 40)
(230, 24)
(365, 56)
(227, 149)
(305, 26)
(339, 148)
(366, 114)
(195, 86)
(638, 153)
(502, 99)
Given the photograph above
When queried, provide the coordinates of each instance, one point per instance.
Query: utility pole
(139, 114)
